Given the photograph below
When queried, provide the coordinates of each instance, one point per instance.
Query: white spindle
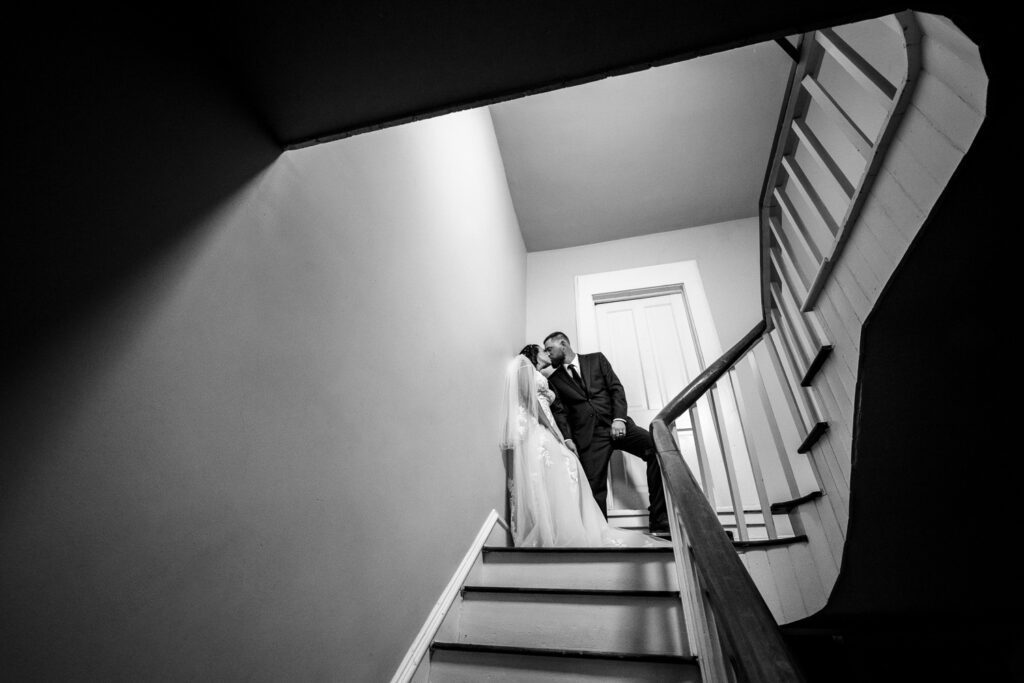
(802, 271)
(755, 460)
(773, 427)
(860, 141)
(791, 317)
(784, 267)
(782, 264)
(724, 443)
(818, 152)
(793, 393)
(874, 83)
(810, 195)
(804, 237)
(700, 443)
(805, 395)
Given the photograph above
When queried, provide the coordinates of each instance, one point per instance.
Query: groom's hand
(571, 446)
(618, 429)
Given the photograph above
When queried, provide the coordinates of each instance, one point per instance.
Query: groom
(592, 418)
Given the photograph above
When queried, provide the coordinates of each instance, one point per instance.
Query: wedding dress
(551, 501)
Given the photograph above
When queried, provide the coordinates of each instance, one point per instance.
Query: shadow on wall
(119, 145)
(198, 478)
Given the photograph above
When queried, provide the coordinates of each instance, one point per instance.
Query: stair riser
(474, 667)
(635, 572)
(630, 521)
(604, 623)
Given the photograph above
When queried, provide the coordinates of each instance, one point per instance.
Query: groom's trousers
(596, 456)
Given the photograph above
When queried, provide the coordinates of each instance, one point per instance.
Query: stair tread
(817, 431)
(817, 362)
(741, 545)
(558, 652)
(601, 549)
(769, 542)
(785, 506)
(574, 591)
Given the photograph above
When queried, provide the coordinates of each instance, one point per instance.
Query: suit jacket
(581, 411)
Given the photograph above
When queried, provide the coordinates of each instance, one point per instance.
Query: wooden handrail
(705, 380)
(755, 641)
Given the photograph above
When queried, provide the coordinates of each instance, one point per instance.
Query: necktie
(576, 378)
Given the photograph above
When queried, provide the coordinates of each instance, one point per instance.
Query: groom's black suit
(585, 416)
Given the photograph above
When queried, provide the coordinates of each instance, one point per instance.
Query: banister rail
(686, 398)
(756, 646)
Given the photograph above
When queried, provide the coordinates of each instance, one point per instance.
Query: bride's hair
(531, 351)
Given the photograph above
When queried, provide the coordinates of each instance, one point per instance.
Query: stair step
(727, 525)
(647, 622)
(471, 663)
(572, 591)
(787, 506)
(584, 568)
(817, 431)
(599, 550)
(817, 362)
(769, 543)
(631, 519)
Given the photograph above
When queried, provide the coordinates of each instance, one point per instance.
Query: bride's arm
(543, 417)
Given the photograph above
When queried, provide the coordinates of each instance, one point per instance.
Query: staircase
(756, 527)
(699, 610)
(562, 614)
(549, 614)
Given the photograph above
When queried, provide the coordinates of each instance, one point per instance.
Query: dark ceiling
(125, 128)
(316, 71)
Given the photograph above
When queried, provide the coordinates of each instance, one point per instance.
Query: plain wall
(263, 455)
(726, 255)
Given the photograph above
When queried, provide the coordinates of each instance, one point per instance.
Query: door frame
(630, 473)
(667, 278)
(681, 277)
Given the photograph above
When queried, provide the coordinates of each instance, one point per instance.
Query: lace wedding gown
(551, 501)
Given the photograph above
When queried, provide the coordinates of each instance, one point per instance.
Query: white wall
(726, 254)
(256, 461)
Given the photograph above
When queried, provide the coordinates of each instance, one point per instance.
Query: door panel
(650, 344)
(617, 328)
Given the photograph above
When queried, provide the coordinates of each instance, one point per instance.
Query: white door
(651, 344)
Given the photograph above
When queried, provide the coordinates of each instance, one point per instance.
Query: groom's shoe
(660, 528)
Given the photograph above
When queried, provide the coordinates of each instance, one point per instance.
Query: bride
(551, 501)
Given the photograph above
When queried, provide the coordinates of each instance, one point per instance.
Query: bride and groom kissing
(564, 415)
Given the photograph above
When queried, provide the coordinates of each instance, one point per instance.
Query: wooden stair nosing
(555, 652)
(739, 545)
(785, 506)
(598, 549)
(816, 363)
(728, 525)
(643, 513)
(770, 542)
(817, 431)
(599, 592)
